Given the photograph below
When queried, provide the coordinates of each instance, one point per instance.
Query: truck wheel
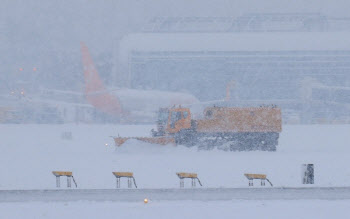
(185, 137)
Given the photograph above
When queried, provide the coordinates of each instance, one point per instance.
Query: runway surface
(199, 194)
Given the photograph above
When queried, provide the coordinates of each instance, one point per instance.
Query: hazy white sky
(178, 7)
(66, 22)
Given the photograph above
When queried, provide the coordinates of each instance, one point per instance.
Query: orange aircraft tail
(95, 92)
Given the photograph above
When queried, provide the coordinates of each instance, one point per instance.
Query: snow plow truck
(228, 128)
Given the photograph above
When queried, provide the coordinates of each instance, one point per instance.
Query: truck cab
(179, 118)
(172, 120)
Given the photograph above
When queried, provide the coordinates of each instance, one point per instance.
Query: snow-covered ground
(176, 209)
(28, 154)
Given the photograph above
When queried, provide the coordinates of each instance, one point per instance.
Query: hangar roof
(271, 41)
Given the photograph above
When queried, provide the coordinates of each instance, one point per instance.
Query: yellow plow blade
(153, 140)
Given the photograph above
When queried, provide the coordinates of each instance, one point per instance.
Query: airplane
(129, 105)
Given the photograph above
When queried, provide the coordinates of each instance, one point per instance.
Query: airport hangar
(266, 67)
